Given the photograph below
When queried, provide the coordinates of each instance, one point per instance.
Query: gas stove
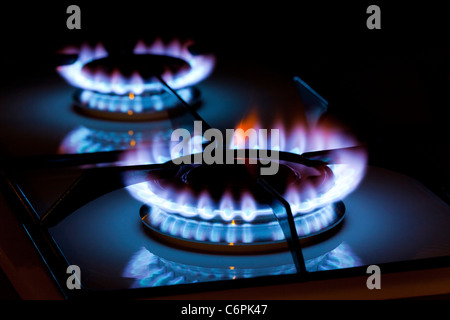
(275, 191)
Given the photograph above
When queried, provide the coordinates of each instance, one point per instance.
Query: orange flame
(250, 122)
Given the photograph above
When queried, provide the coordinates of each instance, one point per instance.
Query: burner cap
(239, 179)
(147, 65)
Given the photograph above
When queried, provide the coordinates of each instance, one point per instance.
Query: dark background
(279, 33)
(390, 85)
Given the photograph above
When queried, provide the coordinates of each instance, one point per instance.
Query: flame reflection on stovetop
(150, 270)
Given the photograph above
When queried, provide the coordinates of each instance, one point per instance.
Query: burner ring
(98, 71)
(193, 190)
(219, 227)
(238, 238)
(134, 108)
(148, 66)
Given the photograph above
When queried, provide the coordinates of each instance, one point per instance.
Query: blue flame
(137, 104)
(345, 179)
(255, 232)
(200, 68)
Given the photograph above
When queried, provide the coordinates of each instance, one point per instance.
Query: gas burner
(96, 70)
(117, 86)
(224, 207)
(190, 207)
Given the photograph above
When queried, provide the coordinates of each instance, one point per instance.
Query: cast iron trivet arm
(94, 183)
(186, 105)
(283, 213)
